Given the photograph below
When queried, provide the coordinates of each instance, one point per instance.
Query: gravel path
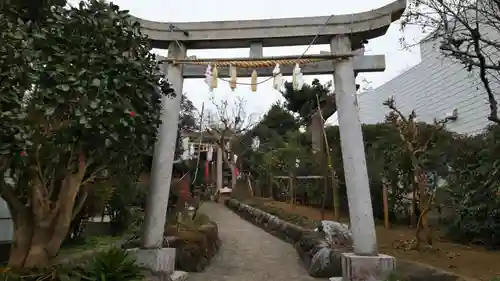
(248, 253)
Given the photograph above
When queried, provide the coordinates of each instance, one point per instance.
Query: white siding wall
(6, 228)
(432, 88)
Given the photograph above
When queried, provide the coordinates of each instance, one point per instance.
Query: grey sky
(397, 60)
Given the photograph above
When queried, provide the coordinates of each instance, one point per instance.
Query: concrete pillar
(365, 263)
(256, 50)
(220, 164)
(161, 174)
(353, 152)
(161, 261)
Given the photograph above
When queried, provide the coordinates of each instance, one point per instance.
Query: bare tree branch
(469, 32)
(227, 126)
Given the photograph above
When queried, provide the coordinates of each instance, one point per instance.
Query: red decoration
(22, 153)
(207, 172)
(132, 114)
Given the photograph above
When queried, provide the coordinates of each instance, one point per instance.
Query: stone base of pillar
(160, 262)
(366, 268)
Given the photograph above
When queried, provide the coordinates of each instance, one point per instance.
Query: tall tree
(272, 131)
(304, 102)
(277, 121)
(315, 104)
(188, 121)
(79, 101)
(229, 123)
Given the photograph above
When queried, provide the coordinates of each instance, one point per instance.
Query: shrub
(197, 241)
(114, 264)
(474, 183)
(80, 103)
(53, 273)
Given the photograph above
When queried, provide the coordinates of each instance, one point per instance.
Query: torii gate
(345, 34)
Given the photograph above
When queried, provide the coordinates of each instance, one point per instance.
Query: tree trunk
(233, 177)
(40, 229)
(23, 232)
(325, 190)
(38, 254)
(413, 207)
(424, 207)
(270, 186)
(336, 196)
(386, 204)
(36, 243)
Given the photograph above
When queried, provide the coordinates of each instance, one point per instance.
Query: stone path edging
(248, 253)
(407, 270)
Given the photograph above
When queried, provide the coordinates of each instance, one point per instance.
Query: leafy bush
(54, 273)
(280, 213)
(80, 101)
(127, 198)
(463, 171)
(197, 241)
(114, 264)
(474, 185)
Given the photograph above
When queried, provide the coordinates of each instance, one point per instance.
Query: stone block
(179, 276)
(320, 259)
(175, 276)
(367, 268)
(158, 261)
(335, 233)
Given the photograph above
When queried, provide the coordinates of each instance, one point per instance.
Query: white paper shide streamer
(208, 77)
(210, 153)
(278, 77)
(234, 77)
(297, 78)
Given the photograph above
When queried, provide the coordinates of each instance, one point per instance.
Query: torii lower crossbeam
(372, 63)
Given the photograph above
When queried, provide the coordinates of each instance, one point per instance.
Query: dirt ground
(468, 261)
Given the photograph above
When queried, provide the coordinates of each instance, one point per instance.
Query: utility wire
(300, 57)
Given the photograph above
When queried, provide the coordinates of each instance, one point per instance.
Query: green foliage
(300, 220)
(84, 81)
(114, 264)
(304, 102)
(89, 243)
(80, 99)
(464, 168)
(188, 121)
(127, 198)
(53, 273)
(474, 183)
(271, 131)
(278, 121)
(31, 11)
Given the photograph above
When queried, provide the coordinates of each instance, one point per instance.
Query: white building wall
(433, 88)
(6, 227)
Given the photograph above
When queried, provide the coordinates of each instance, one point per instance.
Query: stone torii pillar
(365, 263)
(152, 254)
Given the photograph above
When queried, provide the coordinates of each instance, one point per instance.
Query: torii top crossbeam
(274, 32)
